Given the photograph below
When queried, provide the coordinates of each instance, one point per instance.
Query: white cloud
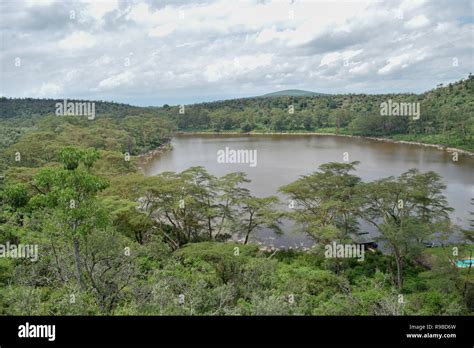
(48, 89)
(231, 68)
(410, 5)
(402, 61)
(360, 69)
(417, 22)
(198, 48)
(102, 61)
(116, 81)
(269, 34)
(98, 8)
(31, 3)
(339, 57)
(77, 40)
(162, 30)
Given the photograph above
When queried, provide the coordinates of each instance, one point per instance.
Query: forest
(447, 115)
(112, 241)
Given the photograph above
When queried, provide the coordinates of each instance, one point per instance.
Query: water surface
(281, 159)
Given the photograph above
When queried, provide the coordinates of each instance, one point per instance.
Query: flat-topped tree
(406, 210)
(325, 203)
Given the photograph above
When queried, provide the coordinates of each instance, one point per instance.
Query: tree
(14, 199)
(134, 223)
(326, 203)
(16, 195)
(446, 114)
(368, 124)
(279, 120)
(308, 122)
(231, 194)
(406, 211)
(469, 233)
(256, 213)
(167, 200)
(197, 206)
(246, 127)
(68, 198)
(203, 189)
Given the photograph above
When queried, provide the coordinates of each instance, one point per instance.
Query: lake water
(281, 159)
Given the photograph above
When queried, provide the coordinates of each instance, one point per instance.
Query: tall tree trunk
(249, 229)
(209, 226)
(398, 259)
(467, 277)
(247, 237)
(77, 259)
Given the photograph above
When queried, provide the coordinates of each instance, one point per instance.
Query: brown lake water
(281, 159)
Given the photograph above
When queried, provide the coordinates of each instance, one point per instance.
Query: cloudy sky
(155, 52)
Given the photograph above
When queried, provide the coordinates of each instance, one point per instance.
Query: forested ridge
(113, 241)
(446, 114)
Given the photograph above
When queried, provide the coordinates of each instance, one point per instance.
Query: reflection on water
(283, 158)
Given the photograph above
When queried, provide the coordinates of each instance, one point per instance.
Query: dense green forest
(113, 241)
(446, 115)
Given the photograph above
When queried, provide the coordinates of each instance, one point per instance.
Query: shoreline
(146, 157)
(387, 140)
(267, 246)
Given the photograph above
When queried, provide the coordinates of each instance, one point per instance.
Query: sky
(180, 52)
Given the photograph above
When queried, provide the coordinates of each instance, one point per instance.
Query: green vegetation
(112, 241)
(446, 115)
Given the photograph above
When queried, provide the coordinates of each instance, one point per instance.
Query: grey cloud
(172, 67)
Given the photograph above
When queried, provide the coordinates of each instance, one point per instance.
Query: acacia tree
(326, 203)
(469, 233)
(134, 224)
(167, 201)
(258, 212)
(406, 211)
(203, 187)
(230, 195)
(194, 206)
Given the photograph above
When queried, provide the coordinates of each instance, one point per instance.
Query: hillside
(446, 115)
(69, 183)
(33, 107)
(292, 93)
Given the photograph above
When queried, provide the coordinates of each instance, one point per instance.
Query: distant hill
(292, 93)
